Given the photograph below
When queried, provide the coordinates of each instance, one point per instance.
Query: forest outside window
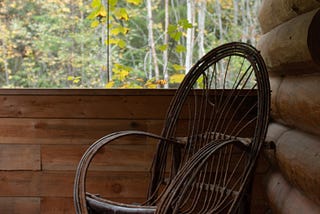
(114, 43)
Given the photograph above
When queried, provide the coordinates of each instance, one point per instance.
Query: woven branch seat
(207, 151)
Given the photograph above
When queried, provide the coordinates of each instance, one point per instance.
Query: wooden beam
(69, 131)
(60, 184)
(287, 50)
(99, 107)
(275, 12)
(20, 157)
(114, 157)
(55, 205)
(283, 198)
(17, 205)
(297, 156)
(296, 101)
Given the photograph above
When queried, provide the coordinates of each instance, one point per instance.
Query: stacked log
(296, 101)
(290, 46)
(297, 156)
(275, 12)
(293, 46)
(286, 199)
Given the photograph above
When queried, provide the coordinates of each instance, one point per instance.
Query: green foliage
(65, 44)
(180, 48)
(177, 78)
(178, 67)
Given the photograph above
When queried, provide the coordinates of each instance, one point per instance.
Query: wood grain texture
(68, 131)
(20, 205)
(114, 157)
(101, 107)
(19, 157)
(50, 129)
(55, 205)
(60, 184)
(275, 12)
(284, 198)
(287, 50)
(297, 155)
(296, 102)
(58, 205)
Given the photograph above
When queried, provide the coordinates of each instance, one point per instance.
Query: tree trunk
(256, 30)
(244, 21)
(166, 43)
(250, 22)
(151, 40)
(219, 15)
(201, 26)
(235, 12)
(106, 70)
(190, 34)
(5, 60)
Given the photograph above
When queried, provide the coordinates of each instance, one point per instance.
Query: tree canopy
(114, 43)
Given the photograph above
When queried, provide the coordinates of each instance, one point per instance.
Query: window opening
(115, 43)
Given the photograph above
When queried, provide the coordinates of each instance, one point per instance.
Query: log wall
(43, 134)
(290, 45)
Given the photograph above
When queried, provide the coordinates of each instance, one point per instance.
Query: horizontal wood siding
(43, 134)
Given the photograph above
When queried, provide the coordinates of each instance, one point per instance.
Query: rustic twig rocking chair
(213, 132)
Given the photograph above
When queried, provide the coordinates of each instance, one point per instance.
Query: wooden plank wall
(290, 45)
(43, 134)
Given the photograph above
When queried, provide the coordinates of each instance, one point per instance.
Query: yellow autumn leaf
(102, 12)
(177, 78)
(111, 41)
(95, 23)
(117, 30)
(140, 80)
(123, 74)
(151, 85)
(76, 80)
(109, 84)
(70, 78)
(135, 2)
(121, 13)
(161, 82)
(122, 43)
(95, 3)
(178, 67)
(125, 85)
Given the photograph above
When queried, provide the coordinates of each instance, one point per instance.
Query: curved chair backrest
(225, 95)
(213, 132)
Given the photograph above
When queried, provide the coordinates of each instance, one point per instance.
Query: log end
(313, 38)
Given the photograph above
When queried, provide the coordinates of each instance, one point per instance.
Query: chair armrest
(100, 205)
(215, 136)
(79, 192)
(190, 177)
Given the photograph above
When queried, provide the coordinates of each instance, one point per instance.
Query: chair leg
(245, 202)
(244, 205)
